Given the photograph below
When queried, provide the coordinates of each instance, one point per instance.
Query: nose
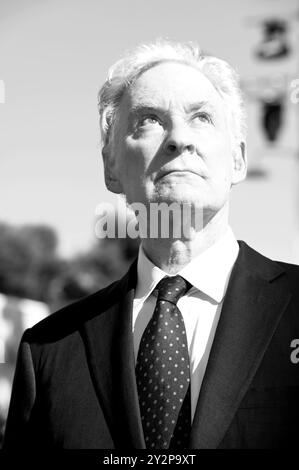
(179, 140)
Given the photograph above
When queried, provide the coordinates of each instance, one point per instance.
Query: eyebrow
(200, 105)
(138, 108)
(150, 107)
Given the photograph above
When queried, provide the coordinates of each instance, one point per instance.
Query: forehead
(170, 84)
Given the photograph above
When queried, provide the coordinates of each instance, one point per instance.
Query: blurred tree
(31, 268)
(104, 263)
(28, 260)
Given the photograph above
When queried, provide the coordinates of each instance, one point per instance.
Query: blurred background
(54, 55)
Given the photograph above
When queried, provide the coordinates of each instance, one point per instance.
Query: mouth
(179, 173)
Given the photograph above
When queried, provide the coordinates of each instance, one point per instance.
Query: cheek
(220, 160)
(141, 152)
(131, 166)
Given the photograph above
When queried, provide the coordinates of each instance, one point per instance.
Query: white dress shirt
(209, 274)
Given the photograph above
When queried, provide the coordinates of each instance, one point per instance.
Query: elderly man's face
(171, 141)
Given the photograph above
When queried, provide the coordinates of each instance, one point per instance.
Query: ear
(111, 180)
(239, 163)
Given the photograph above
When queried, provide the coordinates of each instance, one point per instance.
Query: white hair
(124, 72)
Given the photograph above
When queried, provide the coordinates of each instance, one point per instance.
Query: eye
(146, 121)
(202, 116)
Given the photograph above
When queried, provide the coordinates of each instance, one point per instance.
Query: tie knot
(172, 288)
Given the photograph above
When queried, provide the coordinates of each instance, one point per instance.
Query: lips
(178, 172)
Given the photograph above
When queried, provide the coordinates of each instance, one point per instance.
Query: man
(192, 347)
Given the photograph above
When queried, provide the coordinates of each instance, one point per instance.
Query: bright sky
(54, 55)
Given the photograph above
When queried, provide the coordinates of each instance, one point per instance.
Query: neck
(171, 255)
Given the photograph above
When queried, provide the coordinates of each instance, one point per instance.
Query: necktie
(163, 372)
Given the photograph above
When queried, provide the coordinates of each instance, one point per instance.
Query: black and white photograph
(149, 227)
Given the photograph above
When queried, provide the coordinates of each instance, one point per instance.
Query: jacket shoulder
(269, 269)
(69, 319)
(292, 274)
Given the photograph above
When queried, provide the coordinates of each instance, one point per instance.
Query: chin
(181, 194)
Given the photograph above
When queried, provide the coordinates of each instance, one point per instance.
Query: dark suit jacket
(75, 386)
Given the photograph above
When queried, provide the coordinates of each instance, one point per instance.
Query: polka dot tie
(163, 371)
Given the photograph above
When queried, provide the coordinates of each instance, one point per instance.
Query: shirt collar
(208, 272)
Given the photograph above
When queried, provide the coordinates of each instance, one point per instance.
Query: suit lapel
(109, 346)
(251, 311)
